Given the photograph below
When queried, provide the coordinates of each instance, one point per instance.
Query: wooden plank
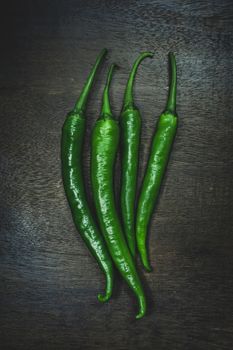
(49, 281)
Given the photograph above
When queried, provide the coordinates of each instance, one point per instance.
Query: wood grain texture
(49, 281)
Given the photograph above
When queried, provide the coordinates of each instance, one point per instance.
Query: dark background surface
(49, 281)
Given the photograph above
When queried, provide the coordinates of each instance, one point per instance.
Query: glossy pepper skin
(71, 153)
(159, 154)
(130, 122)
(105, 140)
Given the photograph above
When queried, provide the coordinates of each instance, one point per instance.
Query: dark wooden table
(49, 281)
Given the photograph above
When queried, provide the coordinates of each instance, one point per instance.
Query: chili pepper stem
(171, 102)
(82, 100)
(128, 97)
(106, 108)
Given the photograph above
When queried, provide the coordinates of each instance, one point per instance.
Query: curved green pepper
(130, 121)
(71, 153)
(104, 145)
(160, 149)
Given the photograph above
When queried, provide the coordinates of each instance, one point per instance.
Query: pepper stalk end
(128, 96)
(80, 104)
(171, 102)
(106, 108)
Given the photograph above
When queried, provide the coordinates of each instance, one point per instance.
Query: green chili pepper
(71, 152)
(160, 149)
(105, 140)
(130, 128)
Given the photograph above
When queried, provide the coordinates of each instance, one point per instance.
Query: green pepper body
(130, 121)
(105, 140)
(71, 153)
(159, 154)
(158, 159)
(130, 136)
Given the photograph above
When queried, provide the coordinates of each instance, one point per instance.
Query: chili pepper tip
(140, 315)
(103, 298)
(142, 309)
(147, 266)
